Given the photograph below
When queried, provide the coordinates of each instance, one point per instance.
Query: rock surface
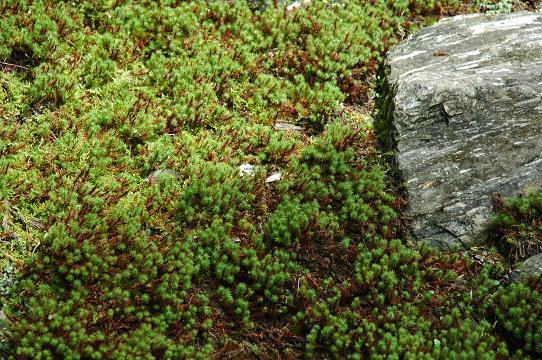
(160, 175)
(463, 112)
(532, 267)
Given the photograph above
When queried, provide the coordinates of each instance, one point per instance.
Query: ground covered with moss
(129, 231)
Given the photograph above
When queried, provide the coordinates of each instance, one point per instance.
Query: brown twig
(14, 65)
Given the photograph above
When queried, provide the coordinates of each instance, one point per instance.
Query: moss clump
(517, 226)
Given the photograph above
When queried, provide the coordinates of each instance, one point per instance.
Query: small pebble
(159, 175)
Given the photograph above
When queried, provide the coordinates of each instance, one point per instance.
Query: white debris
(246, 169)
(288, 126)
(274, 177)
(297, 4)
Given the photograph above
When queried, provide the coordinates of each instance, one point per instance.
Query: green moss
(517, 226)
(97, 95)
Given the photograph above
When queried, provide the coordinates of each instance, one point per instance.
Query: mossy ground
(96, 95)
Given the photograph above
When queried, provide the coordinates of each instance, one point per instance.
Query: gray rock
(532, 267)
(463, 111)
(262, 5)
(160, 175)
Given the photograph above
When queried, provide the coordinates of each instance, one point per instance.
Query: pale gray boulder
(530, 268)
(463, 111)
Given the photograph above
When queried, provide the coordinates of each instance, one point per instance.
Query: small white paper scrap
(246, 169)
(275, 177)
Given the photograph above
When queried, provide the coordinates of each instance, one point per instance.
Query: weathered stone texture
(532, 267)
(465, 113)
